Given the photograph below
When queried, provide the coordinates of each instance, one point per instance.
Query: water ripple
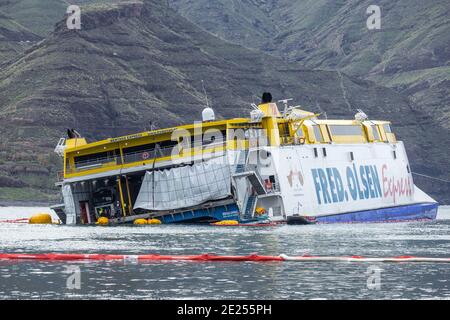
(225, 280)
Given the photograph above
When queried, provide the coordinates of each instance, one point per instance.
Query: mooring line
(430, 177)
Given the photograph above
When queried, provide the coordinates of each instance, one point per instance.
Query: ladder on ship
(242, 161)
(255, 180)
(250, 207)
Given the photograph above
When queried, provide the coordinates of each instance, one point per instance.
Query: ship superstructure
(276, 165)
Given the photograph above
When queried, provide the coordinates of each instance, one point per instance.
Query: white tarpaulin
(185, 186)
(69, 204)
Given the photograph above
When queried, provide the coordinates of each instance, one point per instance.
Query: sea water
(226, 280)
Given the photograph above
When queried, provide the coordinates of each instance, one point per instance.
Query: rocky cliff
(410, 52)
(137, 62)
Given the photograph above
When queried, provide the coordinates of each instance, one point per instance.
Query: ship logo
(295, 179)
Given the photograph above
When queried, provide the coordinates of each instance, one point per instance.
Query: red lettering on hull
(395, 188)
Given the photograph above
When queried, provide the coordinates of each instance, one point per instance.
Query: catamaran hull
(413, 212)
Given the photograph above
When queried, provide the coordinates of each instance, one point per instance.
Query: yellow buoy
(260, 211)
(140, 221)
(226, 222)
(102, 221)
(154, 221)
(40, 218)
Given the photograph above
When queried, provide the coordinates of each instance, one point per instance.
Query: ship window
(387, 128)
(376, 134)
(143, 147)
(345, 130)
(167, 144)
(97, 158)
(317, 133)
(138, 153)
(90, 157)
(209, 137)
(284, 130)
(148, 151)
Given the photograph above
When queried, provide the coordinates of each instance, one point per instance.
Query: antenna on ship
(208, 112)
(206, 96)
(286, 105)
(152, 125)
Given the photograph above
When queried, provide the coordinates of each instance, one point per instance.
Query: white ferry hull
(332, 183)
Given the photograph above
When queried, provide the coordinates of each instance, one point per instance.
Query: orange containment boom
(209, 257)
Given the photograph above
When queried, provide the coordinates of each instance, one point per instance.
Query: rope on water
(430, 177)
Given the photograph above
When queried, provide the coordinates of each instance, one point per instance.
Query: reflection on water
(231, 280)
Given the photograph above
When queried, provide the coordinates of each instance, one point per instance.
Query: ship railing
(164, 152)
(259, 176)
(117, 160)
(147, 154)
(139, 156)
(275, 186)
(96, 163)
(214, 145)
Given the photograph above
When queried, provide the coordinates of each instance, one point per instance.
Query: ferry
(281, 164)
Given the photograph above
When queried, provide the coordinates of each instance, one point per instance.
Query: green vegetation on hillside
(410, 53)
(27, 195)
(136, 62)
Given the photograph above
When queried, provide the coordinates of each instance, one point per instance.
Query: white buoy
(208, 114)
